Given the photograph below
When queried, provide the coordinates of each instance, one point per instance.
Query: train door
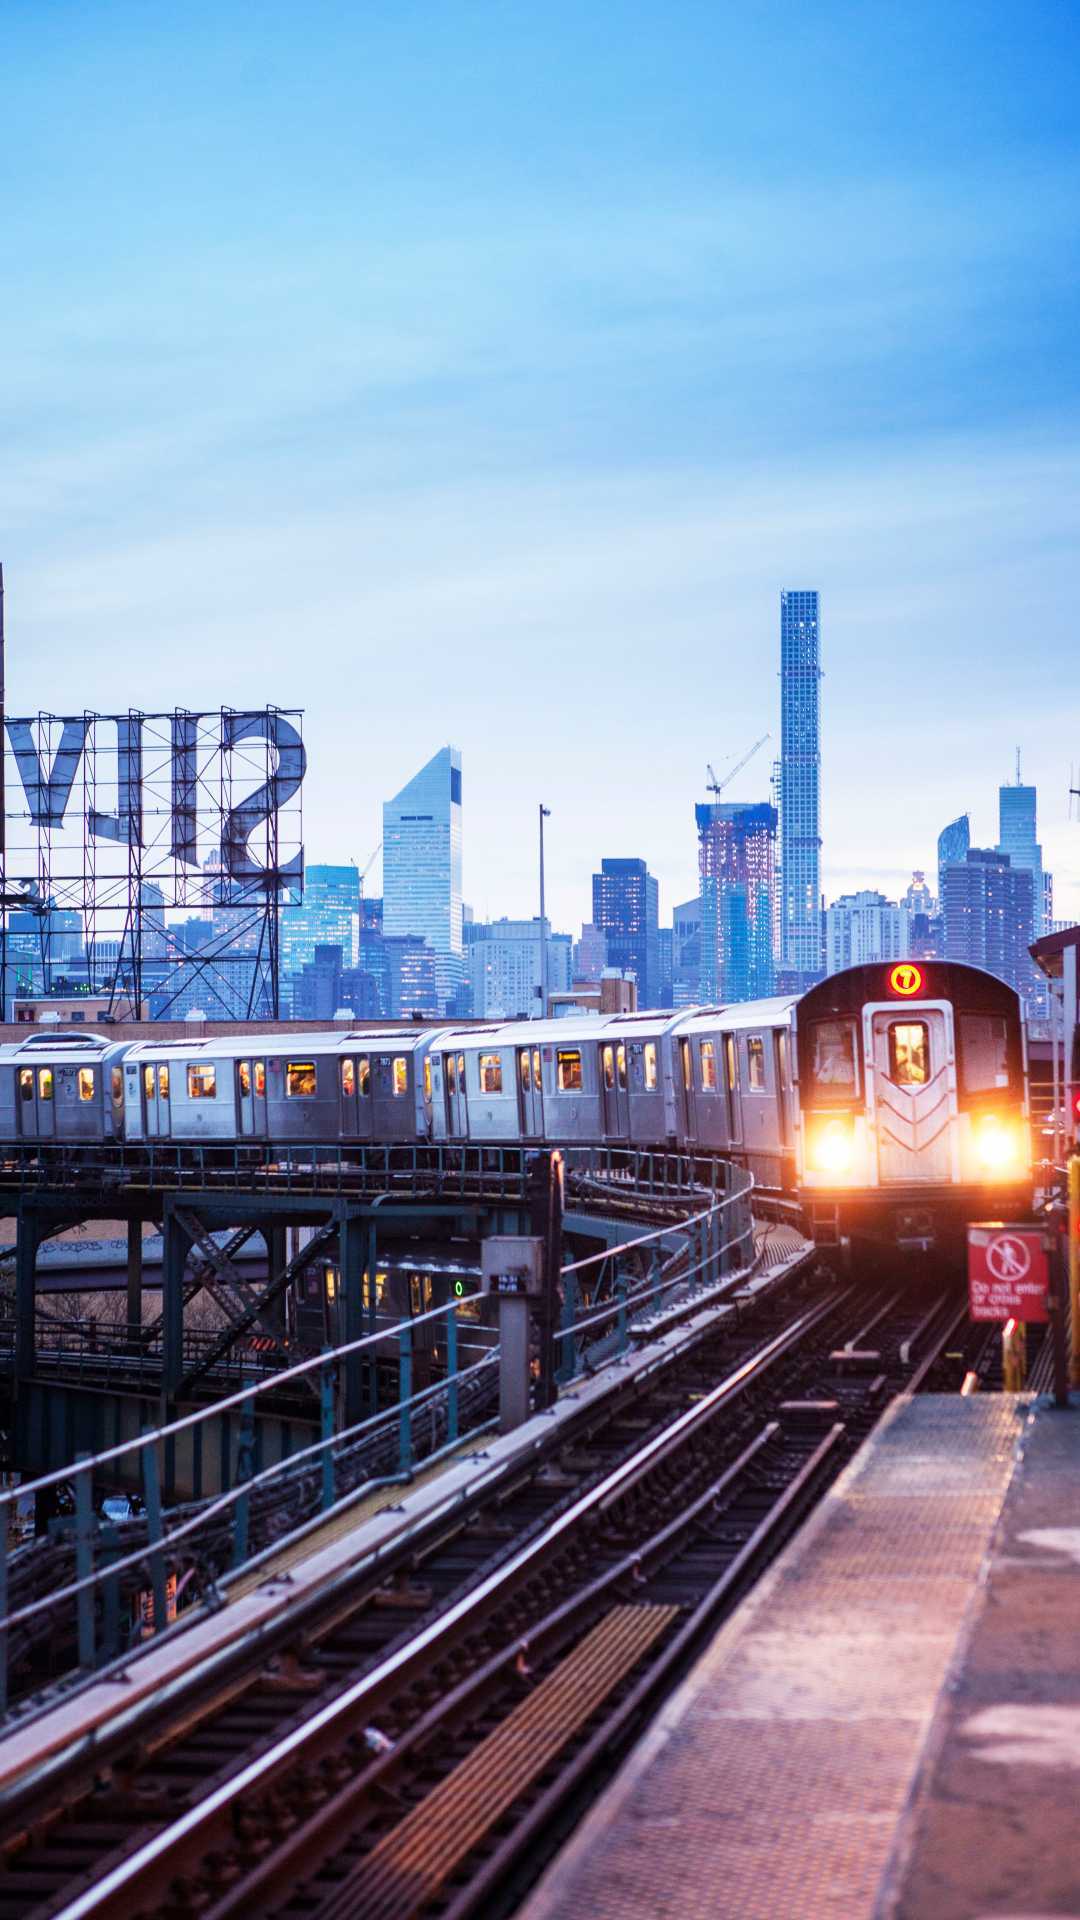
(780, 1069)
(686, 1065)
(731, 1089)
(36, 1093)
(155, 1100)
(454, 1093)
(614, 1093)
(347, 1086)
(908, 1094)
(530, 1094)
(245, 1099)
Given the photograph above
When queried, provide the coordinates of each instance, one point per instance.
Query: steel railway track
(526, 1663)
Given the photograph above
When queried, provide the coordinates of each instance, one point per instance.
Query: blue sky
(482, 372)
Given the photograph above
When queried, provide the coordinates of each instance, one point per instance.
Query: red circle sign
(906, 979)
(1008, 1257)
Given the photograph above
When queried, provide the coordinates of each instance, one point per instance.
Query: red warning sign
(1008, 1273)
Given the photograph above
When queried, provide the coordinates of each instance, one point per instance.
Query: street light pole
(544, 815)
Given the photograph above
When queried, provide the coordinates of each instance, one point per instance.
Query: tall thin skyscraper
(800, 779)
(422, 867)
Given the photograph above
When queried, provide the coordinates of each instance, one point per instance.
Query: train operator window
(909, 1053)
(568, 1071)
(363, 1076)
(163, 1082)
(708, 1066)
(117, 1084)
(300, 1080)
(832, 1060)
(491, 1073)
(201, 1081)
(45, 1083)
(984, 1052)
(148, 1082)
(243, 1074)
(427, 1076)
(401, 1076)
(86, 1083)
(26, 1082)
(755, 1059)
(348, 1078)
(650, 1066)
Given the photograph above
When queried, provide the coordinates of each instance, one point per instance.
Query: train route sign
(1008, 1273)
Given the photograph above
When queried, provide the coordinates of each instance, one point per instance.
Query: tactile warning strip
(773, 1782)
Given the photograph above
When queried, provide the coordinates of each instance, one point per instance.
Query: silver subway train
(889, 1100)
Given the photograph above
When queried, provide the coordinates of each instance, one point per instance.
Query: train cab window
(260, 1079)
(650, 1066)
(620, 1065)
(86, 1083)
(243, 1074)
(448, 1072)
(117, 1084)
(148, 1082)
(909, 1053)
(363, 1076)
(755, 1060)
(427, 1076)
(537, 1081)
(201, 1080)
(731, 1060)
(687, 1064)
(491, 1073)
(401, 1076)
(609, 1069)
(26, 1083)
(348, 1078)
(708, 1066)
(984, 1052)
(301, 1080)
(45, 1083)
(832, 1060)
(163, 1082)
(568, 1070)
(525, 1070)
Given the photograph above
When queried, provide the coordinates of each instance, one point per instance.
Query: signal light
(906, 979)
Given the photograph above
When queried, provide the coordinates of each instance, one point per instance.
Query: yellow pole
(1074, 1269)
(1014, 1356)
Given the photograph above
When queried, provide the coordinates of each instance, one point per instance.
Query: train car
(912, 1105)
(733, 1086)
(57, 1087)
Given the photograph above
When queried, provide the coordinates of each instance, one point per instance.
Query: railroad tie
(409, 1864)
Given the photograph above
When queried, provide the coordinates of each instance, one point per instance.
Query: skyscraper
(1017, 832)
(952, 847)
(422, 867)
(861, 927)
(987, 911)
(626, 908)
(736, 859)
(328, 915)
(800, 779)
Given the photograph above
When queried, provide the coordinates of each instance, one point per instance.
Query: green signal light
(459, 1289)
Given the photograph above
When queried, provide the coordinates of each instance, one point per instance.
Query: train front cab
(912, 1113)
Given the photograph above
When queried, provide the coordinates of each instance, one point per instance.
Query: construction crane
(367, 869)
(716, 786)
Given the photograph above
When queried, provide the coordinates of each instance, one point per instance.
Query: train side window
(201, 1080)
(163, 1082)
(755, 1060)
(984, 1052)
(301, 1080)
(832, 1059)
(448, 1073)
(525, 1069)
(117, 1084)
(427, 1076)
(148, 1082)
(687, 1065)
(650, 1066)
(260, 1078)
(461, 1073)
(363, 1076)
(26, 1083)
(401, 1076)
(348, 1078)
(491, 1073)
(609, 1068)
(86, 1083)
(732, 1061)
(243, 1074)
(45, 1083)
(537, 1081)
(708, 1066)
(620, 1064)
(909, 1053)
(568, 1070)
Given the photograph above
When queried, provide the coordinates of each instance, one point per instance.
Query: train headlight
(998, 1145)
(830, 1143)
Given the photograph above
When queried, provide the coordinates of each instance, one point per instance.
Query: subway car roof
(264, 1046)
(740, 1015)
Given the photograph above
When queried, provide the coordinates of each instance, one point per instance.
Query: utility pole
(545, 813)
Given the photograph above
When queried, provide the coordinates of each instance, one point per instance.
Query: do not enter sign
(1008, 1273)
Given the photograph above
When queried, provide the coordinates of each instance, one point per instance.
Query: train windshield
(984, 1052)
(909, 1053)
(832, 1059)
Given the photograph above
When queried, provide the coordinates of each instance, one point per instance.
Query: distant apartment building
(736, 861)
(590, 953)
(422, 846)
(503, 961)
(987, 910)
(686, 954)
(863, 927)
(626, 909)
(800, 784)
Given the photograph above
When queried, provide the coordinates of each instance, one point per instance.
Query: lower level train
(889, 1100)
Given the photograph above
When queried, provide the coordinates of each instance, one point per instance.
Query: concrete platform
(890, 1727)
